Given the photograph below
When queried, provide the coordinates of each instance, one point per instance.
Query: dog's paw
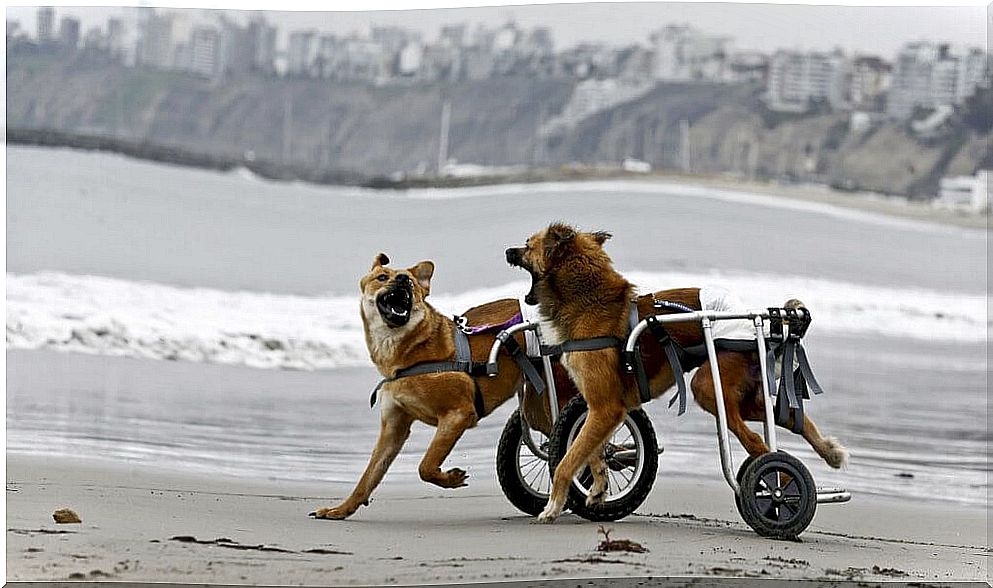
(336, 513)
(548, 515)
(455, 478)
(835, 454)
(596, 499)
(544, 519)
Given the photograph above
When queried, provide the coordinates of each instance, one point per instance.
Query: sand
(243, 531)
(897, 206)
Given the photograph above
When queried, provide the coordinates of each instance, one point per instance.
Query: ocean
(209, 321)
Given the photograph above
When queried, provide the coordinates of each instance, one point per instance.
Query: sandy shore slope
(419, 534)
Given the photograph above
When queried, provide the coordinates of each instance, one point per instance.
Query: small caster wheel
(777, 496)
(741, 470)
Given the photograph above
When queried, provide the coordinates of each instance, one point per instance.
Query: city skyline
(866, 30)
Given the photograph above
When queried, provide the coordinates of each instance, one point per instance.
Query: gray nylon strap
(591, 344)
(807, 371)
(462, 363)
(787, 386)
(462, 350)
(633, 318)
(672, 356)
(677, 374)
(530, 372)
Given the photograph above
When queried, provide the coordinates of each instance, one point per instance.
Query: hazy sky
(876, 30)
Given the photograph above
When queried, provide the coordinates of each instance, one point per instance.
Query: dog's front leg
(450, 429)
(598, 469)
(393, 433)
(600, 423)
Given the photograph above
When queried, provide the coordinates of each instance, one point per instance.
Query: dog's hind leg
(393, 433)
(450, 429)
(829, 448)
(736, 384)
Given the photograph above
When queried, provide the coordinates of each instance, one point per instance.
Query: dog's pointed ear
(379, 261)
(557, 235)
(561, 233)
(601, 237)
(422, 272)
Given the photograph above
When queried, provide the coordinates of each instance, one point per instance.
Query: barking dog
(403, 330)
(581, 296)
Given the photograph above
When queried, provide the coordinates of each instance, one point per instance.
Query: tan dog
(401, 330)
(581, 296)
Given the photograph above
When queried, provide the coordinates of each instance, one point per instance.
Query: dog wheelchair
(774, 493)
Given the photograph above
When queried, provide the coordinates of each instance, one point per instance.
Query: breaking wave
(110, 316)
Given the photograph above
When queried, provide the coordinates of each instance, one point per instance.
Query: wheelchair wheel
(522, 467)
(741, 471)
(632, 462)
(777, 497)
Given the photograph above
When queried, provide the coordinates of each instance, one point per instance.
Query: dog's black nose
(403, 279)
(512, 255)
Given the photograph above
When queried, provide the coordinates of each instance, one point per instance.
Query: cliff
(316, 129)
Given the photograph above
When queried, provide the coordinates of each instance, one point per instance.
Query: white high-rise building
(262, 39)
(46, 24)
(799, 80)
(683, 54)
(205, 46)
(301, 52)
(929, 75)
(157, 49)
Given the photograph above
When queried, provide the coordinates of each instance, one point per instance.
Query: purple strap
(514, 320)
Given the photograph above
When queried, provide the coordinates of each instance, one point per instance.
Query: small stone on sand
(64, 515)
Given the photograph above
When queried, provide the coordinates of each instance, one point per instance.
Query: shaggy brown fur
(444, 400)
(580, 295)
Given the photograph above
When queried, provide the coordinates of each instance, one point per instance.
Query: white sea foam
(110, 316)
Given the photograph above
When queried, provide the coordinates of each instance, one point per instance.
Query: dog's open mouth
(531, 297)
(516, 259)
(394, 305)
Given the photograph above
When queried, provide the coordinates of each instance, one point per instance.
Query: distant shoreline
(897, 206)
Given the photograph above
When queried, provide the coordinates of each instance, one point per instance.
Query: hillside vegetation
(382, 130)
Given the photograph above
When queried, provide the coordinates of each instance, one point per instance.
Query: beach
(186, 370)
(140, 524)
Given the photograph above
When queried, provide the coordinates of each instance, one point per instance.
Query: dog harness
(463, 361)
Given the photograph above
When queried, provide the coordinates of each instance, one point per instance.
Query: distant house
(869, 83)
(747, 66)
(970, 193)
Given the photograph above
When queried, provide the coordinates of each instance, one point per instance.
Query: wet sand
(156, 525)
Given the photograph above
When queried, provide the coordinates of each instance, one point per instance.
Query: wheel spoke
(766, 507)
(792, 488)
(793, 508)
(771, 480)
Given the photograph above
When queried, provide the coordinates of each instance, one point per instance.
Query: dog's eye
(382, 277)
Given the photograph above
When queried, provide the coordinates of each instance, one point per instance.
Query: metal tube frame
(706, 320)
(546, 362)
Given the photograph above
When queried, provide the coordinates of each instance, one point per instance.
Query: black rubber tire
(741, 470)
(610, 510)
(778, 519)
(518, 492)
